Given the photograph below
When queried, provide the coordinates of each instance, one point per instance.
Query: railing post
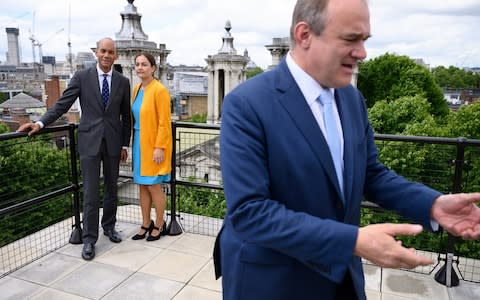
(174, 227)
(447, 275)
(76, 236)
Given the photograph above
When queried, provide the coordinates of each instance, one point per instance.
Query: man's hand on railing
(377, 244)
(458, 214)
(31, 128)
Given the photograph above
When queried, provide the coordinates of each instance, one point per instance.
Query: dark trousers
(91, 166)
(346, 290)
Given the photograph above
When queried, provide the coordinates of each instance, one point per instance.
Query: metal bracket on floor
(174, 227)
(447, 275)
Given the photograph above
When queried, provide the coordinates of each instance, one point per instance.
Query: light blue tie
(331, 130)
(105, 91)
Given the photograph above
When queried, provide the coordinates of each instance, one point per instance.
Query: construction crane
(69, 44)
(32, 38)
(39, 45)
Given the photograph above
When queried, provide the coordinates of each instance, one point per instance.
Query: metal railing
(195, 193)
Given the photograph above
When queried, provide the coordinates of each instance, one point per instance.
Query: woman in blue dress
(152, 145)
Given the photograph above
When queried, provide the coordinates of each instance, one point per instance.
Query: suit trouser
(346, 290)
(90, 167)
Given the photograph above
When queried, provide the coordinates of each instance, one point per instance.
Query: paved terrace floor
(177, 267)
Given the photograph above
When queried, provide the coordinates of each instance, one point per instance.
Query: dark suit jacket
(287, 234)
(96, 123)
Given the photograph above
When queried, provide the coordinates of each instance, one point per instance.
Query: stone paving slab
(93, 280)
(178, 267)
(412, 285)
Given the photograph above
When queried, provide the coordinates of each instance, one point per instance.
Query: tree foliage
(389, 77)
(3, 97)
(466, 121)
(253, 72)
(4, 128)
(395, 116)
(30, 167)
(455, 78)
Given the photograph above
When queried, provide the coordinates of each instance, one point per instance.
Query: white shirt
(100, 78)
(311, 89)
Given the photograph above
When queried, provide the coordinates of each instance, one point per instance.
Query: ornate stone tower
(278, 49)
(131, 40)
(226, 70)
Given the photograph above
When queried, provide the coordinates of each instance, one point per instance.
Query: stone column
(210, 103)
(216, 95)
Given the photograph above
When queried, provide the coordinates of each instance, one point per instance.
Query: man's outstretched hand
(458, 214)
(377, 244)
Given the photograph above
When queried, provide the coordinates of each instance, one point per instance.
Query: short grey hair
(311, 12)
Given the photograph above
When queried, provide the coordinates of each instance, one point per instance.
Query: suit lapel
(96, 85)
(296, 106)
(114, 87)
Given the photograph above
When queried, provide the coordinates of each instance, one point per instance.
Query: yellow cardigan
(155, 128)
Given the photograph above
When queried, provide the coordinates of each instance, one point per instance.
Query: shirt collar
(309, 87)
(100, 71)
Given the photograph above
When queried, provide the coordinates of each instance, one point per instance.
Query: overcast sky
(442, 32)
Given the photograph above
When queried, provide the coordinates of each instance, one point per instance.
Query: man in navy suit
(292, 225)
(103, 136)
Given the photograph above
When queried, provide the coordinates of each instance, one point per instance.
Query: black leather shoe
(88, 251)
(152, 237)
(113, 235)
(148, 230)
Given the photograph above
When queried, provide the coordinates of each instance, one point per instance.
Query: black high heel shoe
(149, 230)
(152, 237)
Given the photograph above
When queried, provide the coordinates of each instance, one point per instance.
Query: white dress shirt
(311, 89)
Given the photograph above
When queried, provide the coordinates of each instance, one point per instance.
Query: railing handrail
(426, 139)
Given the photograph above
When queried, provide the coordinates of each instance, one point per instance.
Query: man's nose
(359, 52)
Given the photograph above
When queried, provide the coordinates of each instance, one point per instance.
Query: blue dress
(137, 178)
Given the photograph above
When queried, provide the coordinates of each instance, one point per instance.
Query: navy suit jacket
(287, 233)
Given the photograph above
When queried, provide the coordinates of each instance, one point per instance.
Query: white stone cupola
(226, 70)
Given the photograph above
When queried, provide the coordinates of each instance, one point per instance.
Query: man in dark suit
(292, 225)
(103, 136)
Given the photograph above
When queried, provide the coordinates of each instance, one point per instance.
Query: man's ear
(302, 35)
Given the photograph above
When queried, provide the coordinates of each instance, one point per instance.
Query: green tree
(466, 121)
(199, 118)
(394, 117)
(456, 78)
(4, 128)
(30, 167)
(3, 97)
(253, 72)
(389, 77)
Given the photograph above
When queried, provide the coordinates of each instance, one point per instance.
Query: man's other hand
(31, 128)
(377, 244)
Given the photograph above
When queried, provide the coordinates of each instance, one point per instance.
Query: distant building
(13, 54)
(457, 97)
(278, 49)
(20, 109)
(473, 69)
(250, 64)
(452, 96)
(226, 70)
(201, 161)
(131, 40)
(421, 62)
(189, 90)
